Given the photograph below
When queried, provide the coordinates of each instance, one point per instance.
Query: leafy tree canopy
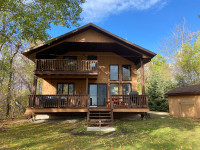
(30, 19)
(188, 64)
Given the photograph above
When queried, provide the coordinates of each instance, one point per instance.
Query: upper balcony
(66, 67)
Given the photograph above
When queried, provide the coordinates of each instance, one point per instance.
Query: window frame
(122, 87)
(110, 88)
(123, 72)
(63, 86)
(117, 70)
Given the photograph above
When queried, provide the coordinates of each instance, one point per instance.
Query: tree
(30, 19)
(178, 52)
(159, 83)
(27, 21)
(188, 64)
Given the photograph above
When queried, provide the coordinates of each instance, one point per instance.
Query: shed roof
(185, 90)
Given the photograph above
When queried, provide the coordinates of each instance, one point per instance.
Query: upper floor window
(70, 57)
(126, 72)
(92, 57)
(65, 88)
(114, 72)
(71, 61)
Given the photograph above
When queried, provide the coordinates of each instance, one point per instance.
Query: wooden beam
(142, 76)
(131, 110)
(86, 85)
(30, 111)
(34, 88)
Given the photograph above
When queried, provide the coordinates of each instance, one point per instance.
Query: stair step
(99, 109)
(100, 116)
(99, 123)
(100, 119)
(100, 113)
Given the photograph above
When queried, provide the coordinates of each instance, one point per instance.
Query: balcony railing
(62, 66)
(129, 101)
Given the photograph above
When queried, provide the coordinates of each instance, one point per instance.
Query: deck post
(34, 88)
(86, 86)
(142, 76)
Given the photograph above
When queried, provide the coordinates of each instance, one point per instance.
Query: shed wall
(184, 106)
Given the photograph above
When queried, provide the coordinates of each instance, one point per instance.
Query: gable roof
(82, 29)
(185, 90)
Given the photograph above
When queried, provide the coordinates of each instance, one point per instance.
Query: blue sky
(143, 22)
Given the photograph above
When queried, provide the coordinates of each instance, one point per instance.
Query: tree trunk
(8, 101)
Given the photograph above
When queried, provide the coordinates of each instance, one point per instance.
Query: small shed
(185, 101)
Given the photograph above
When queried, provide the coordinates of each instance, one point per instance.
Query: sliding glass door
(98, 94)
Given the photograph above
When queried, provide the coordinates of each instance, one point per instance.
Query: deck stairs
(100, 117)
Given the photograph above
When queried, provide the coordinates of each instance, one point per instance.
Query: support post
(34, 89)
(86, 86)
(142, 76)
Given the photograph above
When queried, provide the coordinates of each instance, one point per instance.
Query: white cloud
(96, 10)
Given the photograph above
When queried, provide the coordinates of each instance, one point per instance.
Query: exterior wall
(90, 36)
(187, 109)
(105, 59)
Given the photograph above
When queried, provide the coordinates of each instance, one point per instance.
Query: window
(92, 57)
(114, 72)
(126, 88)
(93, 64)
(71, 63)
(114, 89)
(126, 72)
(70, 57)
(65, 88)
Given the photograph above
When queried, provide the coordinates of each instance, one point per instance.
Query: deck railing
(83, 101)
(67, 66)
(129, 101)
(58, 101)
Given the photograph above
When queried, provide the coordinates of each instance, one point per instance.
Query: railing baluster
(129, 102)
(59, 101)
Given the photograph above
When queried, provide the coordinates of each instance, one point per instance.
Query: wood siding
(105, 59)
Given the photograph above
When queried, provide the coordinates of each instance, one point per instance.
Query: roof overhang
(121, 47)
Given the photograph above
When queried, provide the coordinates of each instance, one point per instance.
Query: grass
(159, 132)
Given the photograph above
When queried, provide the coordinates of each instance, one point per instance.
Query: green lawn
(159, 132)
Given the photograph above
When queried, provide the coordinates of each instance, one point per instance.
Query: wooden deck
(39, 104)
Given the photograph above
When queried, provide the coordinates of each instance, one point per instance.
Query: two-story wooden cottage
(88, 70)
